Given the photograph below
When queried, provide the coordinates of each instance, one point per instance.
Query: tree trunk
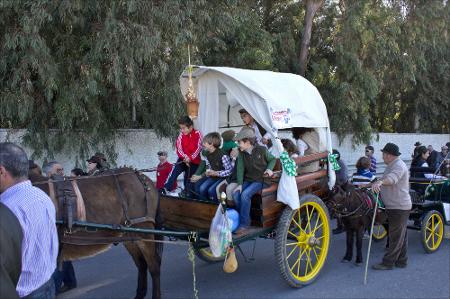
(311, 8)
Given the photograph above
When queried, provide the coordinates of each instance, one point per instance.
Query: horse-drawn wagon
(291, 208)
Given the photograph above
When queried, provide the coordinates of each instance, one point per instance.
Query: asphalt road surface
(113, 275)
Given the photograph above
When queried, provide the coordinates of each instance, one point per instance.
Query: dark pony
(119, 197)
(355, 208)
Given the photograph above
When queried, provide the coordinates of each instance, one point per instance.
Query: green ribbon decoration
(333, 161)
(288, 164)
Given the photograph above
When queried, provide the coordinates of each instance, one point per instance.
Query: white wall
(138, 148)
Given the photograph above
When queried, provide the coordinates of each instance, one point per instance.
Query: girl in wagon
(214, 168)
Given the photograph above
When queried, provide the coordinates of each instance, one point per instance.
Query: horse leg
(359, 241)
(349, 248)
(141, 264)
(153, 254)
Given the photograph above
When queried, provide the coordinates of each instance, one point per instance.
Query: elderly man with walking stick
(394, 188)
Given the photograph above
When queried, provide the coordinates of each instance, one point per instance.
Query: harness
(366, 205)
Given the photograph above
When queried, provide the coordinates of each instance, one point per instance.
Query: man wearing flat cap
(394, 188)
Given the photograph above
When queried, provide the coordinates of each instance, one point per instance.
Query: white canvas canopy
(275, 100)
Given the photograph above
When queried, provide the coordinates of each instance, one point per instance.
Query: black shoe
(66, 288)
(338, 230)
(401, 265)
(382, 267)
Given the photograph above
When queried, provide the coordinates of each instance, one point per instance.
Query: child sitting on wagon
(363, 176)
(253, 163)
(188, 147)
(213, 169)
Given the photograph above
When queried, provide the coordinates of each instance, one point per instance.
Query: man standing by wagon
(36, 214)
(394, 188)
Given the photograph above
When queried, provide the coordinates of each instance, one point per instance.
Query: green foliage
(72, 72)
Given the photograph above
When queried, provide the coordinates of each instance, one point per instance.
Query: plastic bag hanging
(220, 233)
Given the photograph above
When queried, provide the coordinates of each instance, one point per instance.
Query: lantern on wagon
(191, 98)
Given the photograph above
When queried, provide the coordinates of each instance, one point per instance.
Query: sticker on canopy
(280, 118)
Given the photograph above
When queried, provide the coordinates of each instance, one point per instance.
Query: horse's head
(341, 199)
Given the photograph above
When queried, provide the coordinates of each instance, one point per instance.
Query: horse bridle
(352, 213)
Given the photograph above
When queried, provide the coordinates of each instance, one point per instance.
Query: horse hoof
(344, 260)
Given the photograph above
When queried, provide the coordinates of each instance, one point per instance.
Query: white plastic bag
(219, 234)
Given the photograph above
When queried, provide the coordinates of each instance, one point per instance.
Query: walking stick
(370, 238)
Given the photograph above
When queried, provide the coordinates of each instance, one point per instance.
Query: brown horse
(119, 197)
(355, 208)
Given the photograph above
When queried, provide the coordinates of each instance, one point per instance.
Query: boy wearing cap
(253, 163)
(188, 147)
(163, 170)
(95, 165)
(214, 168)
(394, 188)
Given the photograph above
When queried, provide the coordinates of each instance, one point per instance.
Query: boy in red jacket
(163, 170)
(188, 146)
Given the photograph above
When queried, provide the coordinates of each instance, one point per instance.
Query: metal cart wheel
(206, 255)
(379, 233)
(432, 231)
(302, 241)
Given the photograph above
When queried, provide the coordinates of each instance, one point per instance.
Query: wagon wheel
(432, 231)
(302, 252)
(206, 255)
(379, 232)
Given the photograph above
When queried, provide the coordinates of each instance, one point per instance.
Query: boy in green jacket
(253, 163)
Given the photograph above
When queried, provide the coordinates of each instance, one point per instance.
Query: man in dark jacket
(10, 252)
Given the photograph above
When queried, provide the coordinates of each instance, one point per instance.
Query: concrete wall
(139, 147)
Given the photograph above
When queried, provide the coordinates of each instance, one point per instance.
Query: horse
(355, 208)
(120, 197)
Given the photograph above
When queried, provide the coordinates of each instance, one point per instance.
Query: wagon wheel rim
(434, 231)
(379, 232)
(306, 254)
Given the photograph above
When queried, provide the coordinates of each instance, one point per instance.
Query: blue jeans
(243, 201)
(178, 169)
(206, 188)
(46, 291)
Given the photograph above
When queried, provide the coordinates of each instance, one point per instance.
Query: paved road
(113, 275)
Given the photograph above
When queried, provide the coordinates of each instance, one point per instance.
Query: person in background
(103, 162)
(341, 180)
(262, 137)
(416, 147)
(163, 171)
(36, 214)
(373, 162)
(363, 177)
(420, 160)
(308, 142)
(95, 165)
(228, 141)
(441, 156)
(52, 168)
(77, 172)
(394, 189)
(188, 147)
(11, 238)
(431, 161)
(290, 147)
(35, 172)
(342, 173)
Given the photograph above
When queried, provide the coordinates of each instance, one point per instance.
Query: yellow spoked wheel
(302, 241)
(432, 231)
(379, 232)
(206, 255)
